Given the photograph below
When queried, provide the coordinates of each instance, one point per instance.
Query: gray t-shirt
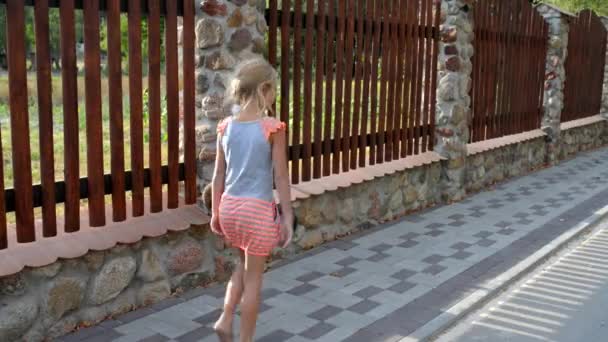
(248, 155)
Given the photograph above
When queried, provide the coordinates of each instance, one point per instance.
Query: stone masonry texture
(453, 100)
(555, 75)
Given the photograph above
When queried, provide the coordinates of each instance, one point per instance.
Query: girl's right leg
(234, 292)
(254, 270)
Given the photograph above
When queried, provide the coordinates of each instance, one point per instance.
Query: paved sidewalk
(387, 282)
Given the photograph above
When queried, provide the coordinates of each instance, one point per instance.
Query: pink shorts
(250, 224)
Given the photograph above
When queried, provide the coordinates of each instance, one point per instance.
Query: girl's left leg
(234, 293)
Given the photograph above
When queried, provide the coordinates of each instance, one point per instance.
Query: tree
(598, 6)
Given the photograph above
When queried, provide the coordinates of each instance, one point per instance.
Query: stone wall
(487, 168)
(43, 303)
(338, 213)
(583, 138)
(555, 75)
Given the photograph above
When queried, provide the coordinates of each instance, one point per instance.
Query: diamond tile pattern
(391, 277)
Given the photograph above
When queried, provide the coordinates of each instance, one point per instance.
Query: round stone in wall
(214, 8)
(240, 40)
(219, 60)
(113, 278)
(17, 317)
(65, 295)
(235, 19)
(186, 257)
(209, 33)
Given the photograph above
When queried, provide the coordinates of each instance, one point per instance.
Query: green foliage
(599, 6)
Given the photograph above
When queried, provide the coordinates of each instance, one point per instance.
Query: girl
(251, 148)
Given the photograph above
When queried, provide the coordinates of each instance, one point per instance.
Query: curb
(453, 315)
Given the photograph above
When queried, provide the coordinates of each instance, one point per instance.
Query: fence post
(226, 33)
(604, 109)
(555, 75)
(453, 100)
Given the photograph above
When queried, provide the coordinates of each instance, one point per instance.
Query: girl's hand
(215, 225)
(286, 231)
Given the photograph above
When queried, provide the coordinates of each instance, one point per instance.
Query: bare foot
(223, 329)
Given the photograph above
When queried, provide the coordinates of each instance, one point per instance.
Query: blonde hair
(252, 80)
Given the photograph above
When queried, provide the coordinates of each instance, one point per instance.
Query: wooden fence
(23, 197)
(508, 68)
(584, 67)
(357, 80)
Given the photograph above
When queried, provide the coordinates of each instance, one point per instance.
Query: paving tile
(302, 289)
(85, 334)
(378, 257)
(325, 313)
(506, 231)
(433, 259)
(402, 287)
(403, 274)
(483, 234)
(380, 248)
(434, 225)
(457, 223)
(318, 331)
(503, 224)
(486, 242)
(364, 306)
(347, 261)
(408, 244)
(434, 269)
(196, 335)
(209, 318)
(461, 245)
(461, 255)
(276, 336)
(343, 272)
(156, 338)
(308, 277)
(367, 292)
(435, 233)
(134, 315)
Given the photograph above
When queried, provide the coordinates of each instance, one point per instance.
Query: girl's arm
(281, 175)
(217, 186)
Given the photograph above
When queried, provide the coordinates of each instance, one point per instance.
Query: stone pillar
(453, 99)
(227, 32)
(604, 109)
(555, 75)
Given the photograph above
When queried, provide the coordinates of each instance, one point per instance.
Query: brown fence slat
(308, 73)
(136, 108)
(348, 85)
(319, 84)
(45, 112)
(390, 90)
(285, 62)
(436, 20)
(119, 209)
(95, 172)
(354, 141)
(3, 230)
(329, 80)
(154, 80)
(367, 70)
(172, 79)
(419, 79)
(399, 41)
(339, 104)
(385, 50)
(70, 116)
(428, 15)
(374, 83)
(407, 132)
(189, 105)
(297, 92)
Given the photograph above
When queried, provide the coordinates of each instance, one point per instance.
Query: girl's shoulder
(221, 127)
(272, 125)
